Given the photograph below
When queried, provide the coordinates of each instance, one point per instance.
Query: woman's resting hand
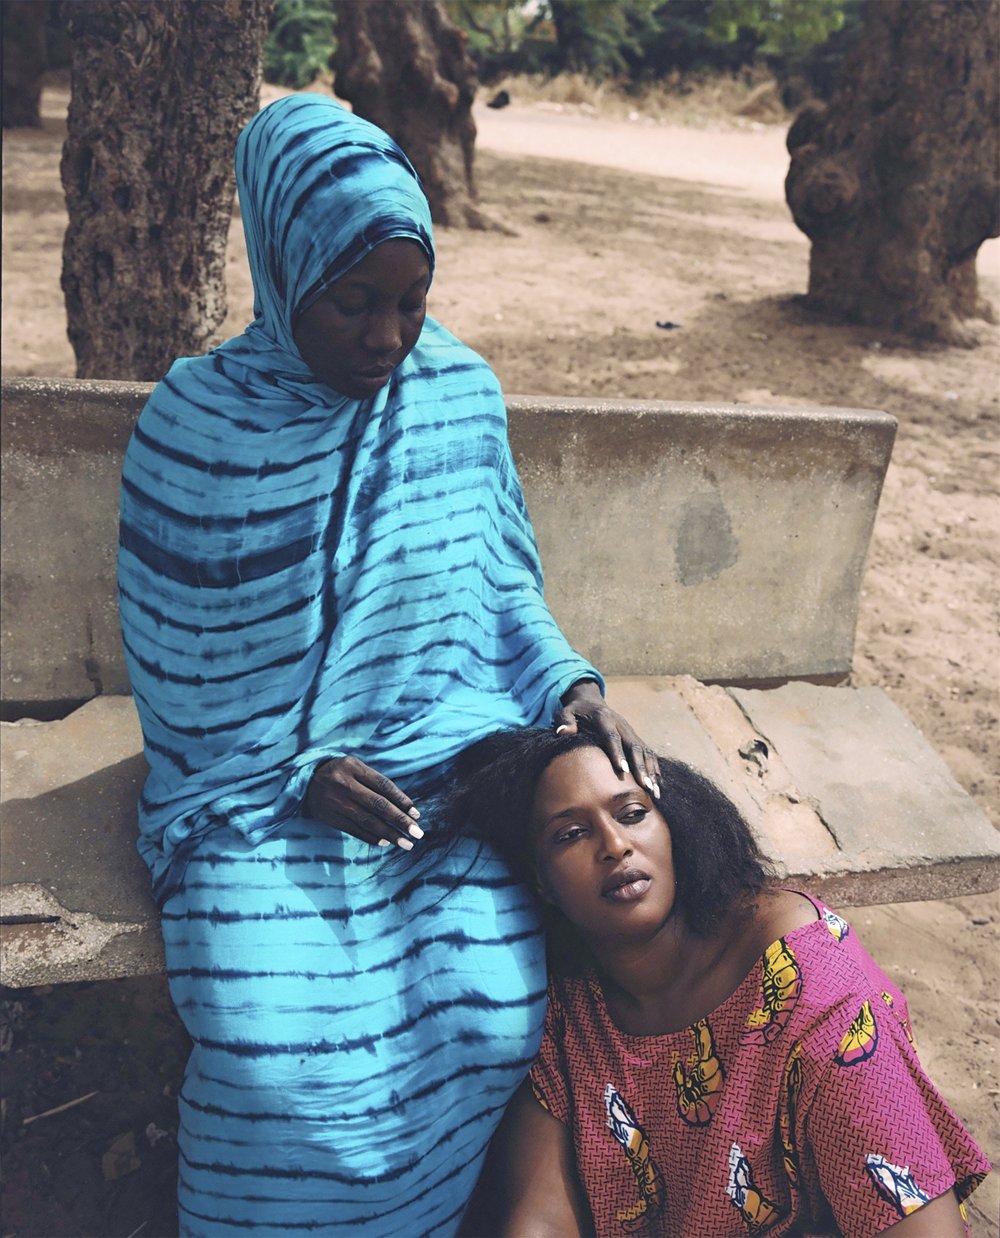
(626, 751)
(351, 796)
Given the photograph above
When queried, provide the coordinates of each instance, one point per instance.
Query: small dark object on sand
(500, 99)
(669, 326)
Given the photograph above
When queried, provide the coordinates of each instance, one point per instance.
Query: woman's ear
(539, 886)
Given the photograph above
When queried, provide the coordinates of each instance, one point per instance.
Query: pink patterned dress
(798, 1106)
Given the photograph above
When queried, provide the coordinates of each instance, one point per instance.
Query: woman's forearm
(531, 1162)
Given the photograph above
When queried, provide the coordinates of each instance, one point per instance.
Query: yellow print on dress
(699, 1088)
(780, 986)
(895, 1184)
(860, 1040)
(791, 1083)
(625, 1127)
(891, 1003)
(757, 1212)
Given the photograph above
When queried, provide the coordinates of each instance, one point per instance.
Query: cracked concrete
(52, 943)
(71, 874)
(843, 791)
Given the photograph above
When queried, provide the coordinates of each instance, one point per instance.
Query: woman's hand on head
(351, 796)
(628, 753)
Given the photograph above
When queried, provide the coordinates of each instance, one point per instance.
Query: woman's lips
(376, 372)
(626, 885)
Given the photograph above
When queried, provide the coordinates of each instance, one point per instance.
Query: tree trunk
(573, 35)
(404, 66)
(895, 181)
(160, 92)
(24, 62)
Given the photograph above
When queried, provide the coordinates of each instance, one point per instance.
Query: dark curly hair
(718, 865)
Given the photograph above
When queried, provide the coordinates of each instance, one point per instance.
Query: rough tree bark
(159, 94)
(895, 181)
(404, 66)
(23, 61)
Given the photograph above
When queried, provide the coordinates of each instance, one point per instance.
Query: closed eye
(568, 834)
(350, 311)
(633, 814)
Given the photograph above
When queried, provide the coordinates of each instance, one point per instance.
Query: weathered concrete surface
(62, 445)
(703, 725)
(75, 901)
(843, 791)
(724, 542)
(885, 795)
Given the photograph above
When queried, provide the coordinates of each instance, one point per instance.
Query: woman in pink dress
(721, 1056)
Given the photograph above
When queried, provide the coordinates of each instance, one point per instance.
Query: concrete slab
(703, 726)
(737, 535)
(893, 806)
(74, 902)
(63, 444)
(843, 791)
(720, 541)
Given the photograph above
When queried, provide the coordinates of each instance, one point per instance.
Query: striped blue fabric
(301, 576)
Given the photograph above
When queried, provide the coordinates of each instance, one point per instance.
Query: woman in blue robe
(329, 586)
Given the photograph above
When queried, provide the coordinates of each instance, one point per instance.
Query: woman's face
(602, 850)
(367, 321)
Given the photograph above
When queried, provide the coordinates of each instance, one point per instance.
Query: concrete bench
(722, 542)
(708, 558)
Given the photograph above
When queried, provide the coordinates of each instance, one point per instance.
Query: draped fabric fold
(302, 576)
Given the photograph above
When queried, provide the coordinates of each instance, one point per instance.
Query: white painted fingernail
(414, 813)
(415, 831)
(623, 766)
(656, 790)
(560, 729)
(405, 843)
(384, 842)
(648, 782)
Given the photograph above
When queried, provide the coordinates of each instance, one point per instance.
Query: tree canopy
(781, 26)
(642, 38)
(628, 39)
(300, 41)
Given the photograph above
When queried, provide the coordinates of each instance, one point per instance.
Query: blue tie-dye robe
(304, 575)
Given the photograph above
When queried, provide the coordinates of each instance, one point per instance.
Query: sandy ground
(616, 225)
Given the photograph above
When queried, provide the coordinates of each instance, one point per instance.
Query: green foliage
(494, 27)
(597, 37)
(602, 37)
(780, 26)
(816, 71)
(299, 42)
(644, 39)
(682, 41)
(506, 36)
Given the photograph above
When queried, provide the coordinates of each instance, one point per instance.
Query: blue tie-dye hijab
(336, 187)
(304, 575)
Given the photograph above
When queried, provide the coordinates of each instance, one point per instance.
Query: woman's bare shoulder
(780, 912)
